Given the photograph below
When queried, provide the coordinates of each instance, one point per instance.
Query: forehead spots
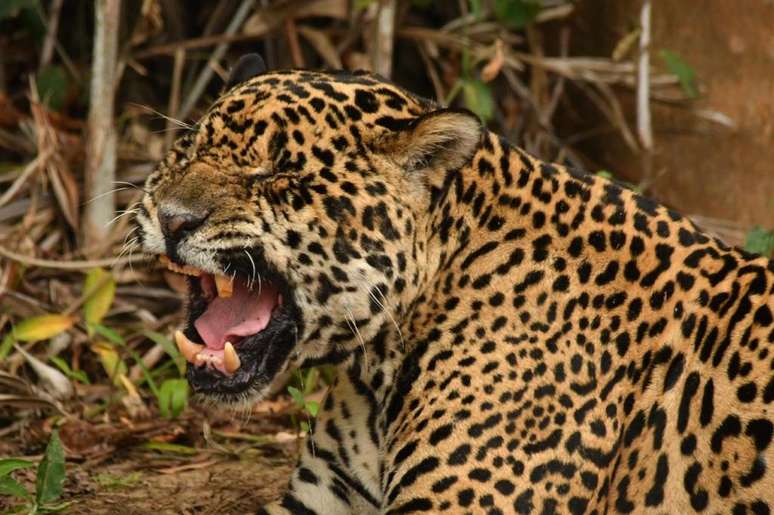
(329, 91)
(366, 101)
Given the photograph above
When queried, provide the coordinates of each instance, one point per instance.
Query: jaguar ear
(446, 138)
(247, 67)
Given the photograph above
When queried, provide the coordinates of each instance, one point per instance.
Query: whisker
(252, 278)
(110, 192)
(122, 213)
(132, 185)
(353, 327)
(384, 307)
(177, 122)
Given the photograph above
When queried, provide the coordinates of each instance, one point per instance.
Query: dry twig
(204, 78)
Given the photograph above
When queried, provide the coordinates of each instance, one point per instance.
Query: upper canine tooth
(231, 361)
(224, 285)
(188, 349)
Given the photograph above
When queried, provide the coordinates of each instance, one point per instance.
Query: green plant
(76, 375)
(516, 14)
(172, 395)
(49, 479)
(111, 481)
(760, 241)
(607, 174)
(682, 70)
(99, 289)
(306, 383)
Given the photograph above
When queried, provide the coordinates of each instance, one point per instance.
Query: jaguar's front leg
(314, 488)
(338, 469)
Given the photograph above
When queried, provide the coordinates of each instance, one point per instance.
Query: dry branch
(101, 144)
(51, 32)
(643, 80)
(385, 38)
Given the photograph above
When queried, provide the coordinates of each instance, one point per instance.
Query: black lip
(263, 354)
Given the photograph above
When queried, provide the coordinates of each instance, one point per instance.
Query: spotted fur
(510, 336)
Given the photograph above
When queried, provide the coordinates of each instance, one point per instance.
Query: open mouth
(240, 328)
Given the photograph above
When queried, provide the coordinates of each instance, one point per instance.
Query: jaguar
(509, 335)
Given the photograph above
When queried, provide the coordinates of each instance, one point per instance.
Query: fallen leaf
(112, 363)
(100, 287)
(495, 64)
(42, 327)
(51, 379)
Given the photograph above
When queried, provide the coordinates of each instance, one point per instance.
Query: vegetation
(87, 365)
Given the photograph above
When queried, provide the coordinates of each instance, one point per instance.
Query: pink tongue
(245, 313)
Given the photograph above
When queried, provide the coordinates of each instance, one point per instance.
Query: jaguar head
(298, 207)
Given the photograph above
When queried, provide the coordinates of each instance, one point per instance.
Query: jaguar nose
(177, 223)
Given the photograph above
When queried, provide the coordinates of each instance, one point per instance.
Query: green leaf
(298, 397)
(760, 241)
(8, 465)
(173, 397)
(312, 407)
(111, 481)
(9, 486)
(516, 14)
(169, 447)
(109, 334)
(604, 174)
(53, 86)
(42, 327)
(682, 70)
(11, 8)
(56, 507)
(478, 98)
(78, 375)
(112, 363)
(6, 345)
(169, 347)
(51, 471)
(311, 380)
(100, 287)
(305, 428)
(475, 8)
(362, 4)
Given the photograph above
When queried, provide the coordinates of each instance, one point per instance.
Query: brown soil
(699, 166)
(160, 466)
(234, 486)
(204, 485)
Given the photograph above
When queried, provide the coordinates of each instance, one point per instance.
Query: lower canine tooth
(231, 360)
(188, 349)
(225, 285)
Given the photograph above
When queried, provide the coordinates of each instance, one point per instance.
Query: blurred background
(674, 100)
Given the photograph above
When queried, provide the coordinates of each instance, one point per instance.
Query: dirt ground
(229, 486)
(168, 466)
(234, 486)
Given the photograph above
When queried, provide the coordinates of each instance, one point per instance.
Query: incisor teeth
(188, 349)
(224, 285)
(231, 360)
(186, 270)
